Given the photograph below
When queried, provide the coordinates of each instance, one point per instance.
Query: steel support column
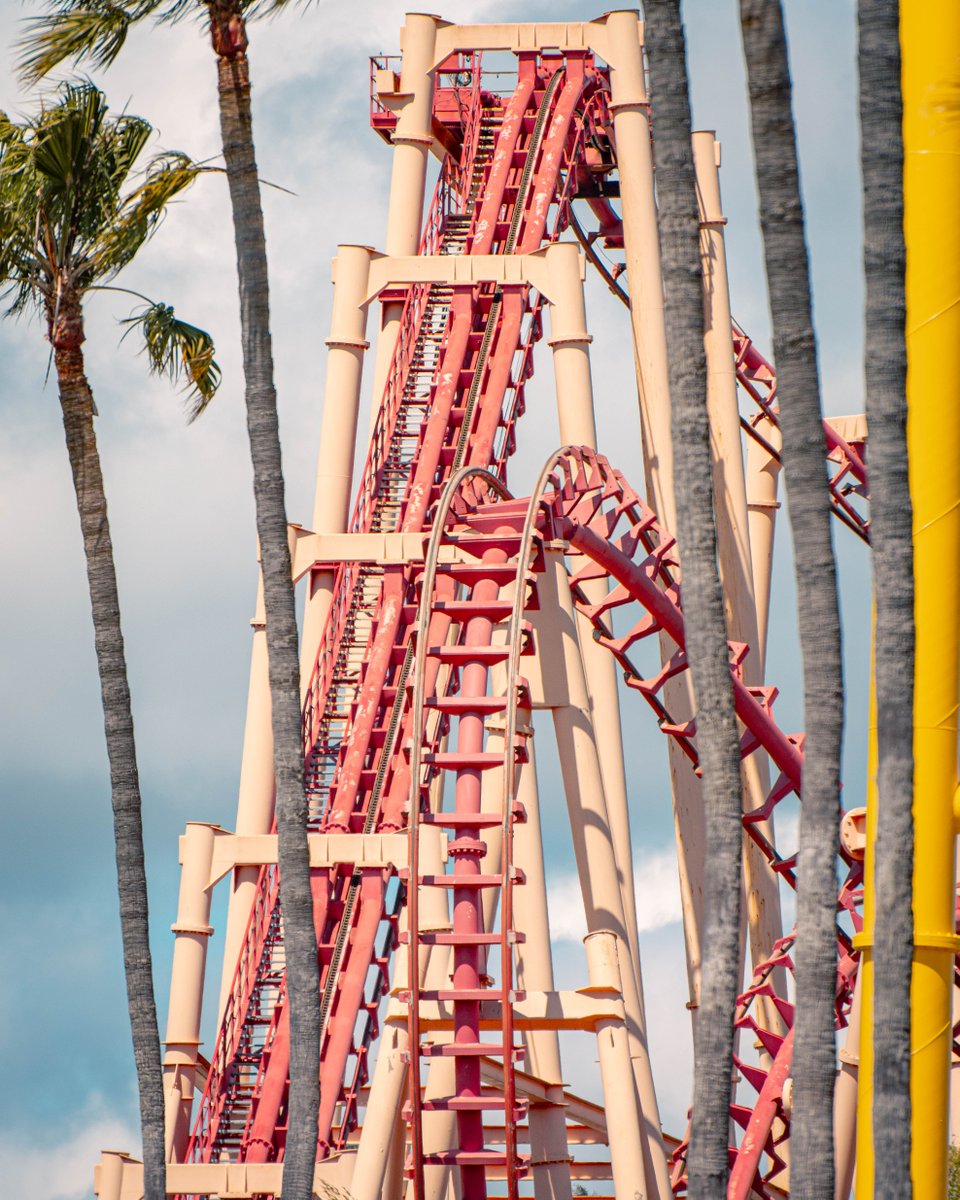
(187, 976)
(255, 795)
(593, 847)
(762, 893)
(570, 342)
(412, 141)
(338, 433)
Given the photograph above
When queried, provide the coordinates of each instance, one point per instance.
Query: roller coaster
(442, 611)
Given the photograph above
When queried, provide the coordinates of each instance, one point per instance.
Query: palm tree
(795, 352)
(884, 261)
(717, 735)
(94, 31)
(67, 227)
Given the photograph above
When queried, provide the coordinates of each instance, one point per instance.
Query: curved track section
(494, 556)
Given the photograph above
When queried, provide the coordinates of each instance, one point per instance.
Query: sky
(182, 518)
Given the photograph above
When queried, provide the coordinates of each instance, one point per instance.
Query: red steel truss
(417, 711)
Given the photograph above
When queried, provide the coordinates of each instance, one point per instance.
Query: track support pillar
(624, 1122)
(412, 142)
(596, 860)
(187, 977)
(346, 346)
(762, 911)
(570, 343)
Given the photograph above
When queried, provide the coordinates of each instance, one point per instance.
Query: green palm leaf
(92, 31)
(182, 352)
(137, 216)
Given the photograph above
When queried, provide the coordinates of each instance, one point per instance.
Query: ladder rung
(480, 820)
(467, 704)
(465, 1050)
(469, 1104)
(459, 881)
(467, 654)
(451, 760)
(435, 938)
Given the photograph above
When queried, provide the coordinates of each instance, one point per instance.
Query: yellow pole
(930, 41)
(930, 45)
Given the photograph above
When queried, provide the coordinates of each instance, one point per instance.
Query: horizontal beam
(119, 1177)
(465, 270)
(528, 35)
(326, 550)
(381, 850)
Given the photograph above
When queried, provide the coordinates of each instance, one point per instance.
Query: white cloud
(657, 888)
(45, 1169)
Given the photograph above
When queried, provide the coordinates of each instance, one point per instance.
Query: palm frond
(138, 215)
(91, 31)
(181, 351)
(66, 133)
(21, 275)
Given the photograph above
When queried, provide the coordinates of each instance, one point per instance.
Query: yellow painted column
(930, 43)
(930, 40)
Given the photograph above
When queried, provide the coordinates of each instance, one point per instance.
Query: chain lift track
(417, 714)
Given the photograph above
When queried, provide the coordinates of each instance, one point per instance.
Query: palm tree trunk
(229, 40)
(795, 352)
(892, 552)
(76, 402)
(718, 742)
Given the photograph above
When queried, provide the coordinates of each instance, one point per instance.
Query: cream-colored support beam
(762, 892)
(338, 433)
(845, 1103)
(187, 975)
(534, 967)
(389, 1086)
(593, 847)
(631, 126)
(324, 550)
(388, 271)
(544, 35)
(231, 850)
(570, 342)
(108, 1174)
(388, 1091)
(118, 1177)
(412, 141)
(255, 797)
(631, 119)
(623, 1120)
